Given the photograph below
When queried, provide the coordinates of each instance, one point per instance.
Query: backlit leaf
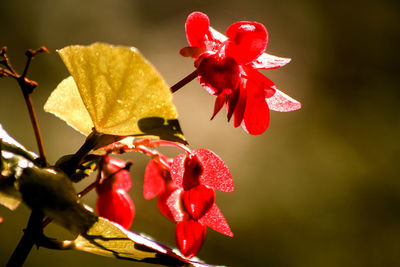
(123, 94)
(52, 192)
(10, 144)
(66, 103)
(13, 158)
(111, 240)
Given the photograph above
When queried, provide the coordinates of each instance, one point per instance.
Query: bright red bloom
(227, 67)
(187, 197)
(113, 201)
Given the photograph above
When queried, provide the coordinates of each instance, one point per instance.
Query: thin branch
(36, 129)
(27, 87)
(31, 234)
(184, 81)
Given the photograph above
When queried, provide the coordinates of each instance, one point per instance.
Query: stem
(70, 165)
(27, 87)
(31, 233)
(170, 143)
(33, 230)
(184, 81)
(36, 129)
(154, 154)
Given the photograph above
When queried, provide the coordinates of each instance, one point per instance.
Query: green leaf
(111, 240)
(10, 144)
(13, 158)
(123, 94)
(52, 192)
(9, 196)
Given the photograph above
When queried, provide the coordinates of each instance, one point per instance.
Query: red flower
(187, 195)
(227, 67)
(113, 201)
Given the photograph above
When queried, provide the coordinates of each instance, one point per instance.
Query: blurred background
(320, 188)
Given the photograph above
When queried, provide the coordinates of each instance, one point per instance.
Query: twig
(31, 234)
(184, 81)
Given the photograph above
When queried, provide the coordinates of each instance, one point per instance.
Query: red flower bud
(198, 201)
(189, 236)
(116, 206)
(193, 170)
(114, 176)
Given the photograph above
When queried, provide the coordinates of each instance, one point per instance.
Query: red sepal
(178, 169)
(282, 102)
(216, 221)
(170, 206)
(154, 181)
(268, 62)
(215, 174)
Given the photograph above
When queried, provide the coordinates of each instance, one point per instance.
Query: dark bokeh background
(319, 188)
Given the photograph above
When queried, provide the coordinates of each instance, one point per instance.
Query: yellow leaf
(108, 239)
(123, 94)
(66, 103)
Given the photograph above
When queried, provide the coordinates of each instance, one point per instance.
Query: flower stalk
(184, 81)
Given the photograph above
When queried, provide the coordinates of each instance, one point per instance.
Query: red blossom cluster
(185, 189)
(228, 68)
(185, 185)
(113, 201)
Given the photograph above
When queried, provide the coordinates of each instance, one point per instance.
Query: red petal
(170, 205)
(189, 237)
(216, 221)
(219, 103)
(218, 73)
(269, 62)
(259, 80)
(198, 200)
(116, 206)
(154, 182)
(240, 107)
(221, 100)
(197, 29)
(233, 100)
(282, 102)
(215, 174)
(256, 115)
(247, 41)
(178, 169)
